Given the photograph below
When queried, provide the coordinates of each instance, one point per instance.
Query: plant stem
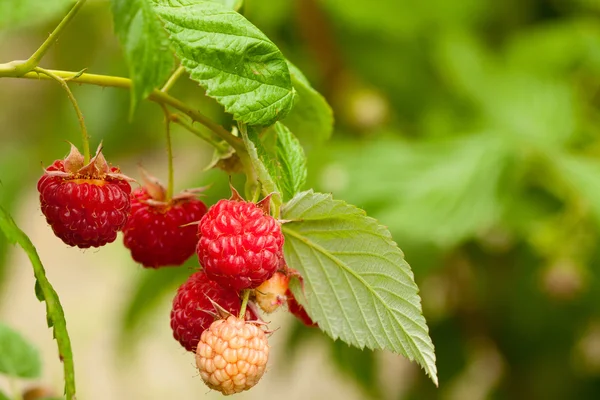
(20, 68)
(169, 152)
(222, 147)
(41, 51)
(156, 96)
(84, 133)
(178, 72)
(245, 297)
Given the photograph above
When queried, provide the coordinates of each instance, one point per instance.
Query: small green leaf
(311, 118)
(291, 162)
(264, 166)
(16, 13)
(54, 311)
(236, 63)
(146, 46)
(17, 356)
(358, 286)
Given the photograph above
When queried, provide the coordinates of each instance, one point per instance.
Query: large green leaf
(311, 118)
(14, 13)
(54, 310)
(146, 46)
(18, 357)
(236, 63)
(358, 286)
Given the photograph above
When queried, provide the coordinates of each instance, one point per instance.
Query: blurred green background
(470, 128)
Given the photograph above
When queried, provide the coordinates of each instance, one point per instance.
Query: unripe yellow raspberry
(232, 355)
(270, 295)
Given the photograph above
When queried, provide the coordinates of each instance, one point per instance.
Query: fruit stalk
(85, 138)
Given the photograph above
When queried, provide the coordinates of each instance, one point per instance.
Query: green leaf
(358, 286)
(311, 118)
(233, 4)
(17, 13)
(583, 175)
(290, 163)
(54, 310)
(39, 294)
(264, 166)
(236, 63)
(3, 396)
(146, 46)
(18, 357)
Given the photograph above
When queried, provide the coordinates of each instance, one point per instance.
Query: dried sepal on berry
(84, 204)
(160, 231)
(232, 355)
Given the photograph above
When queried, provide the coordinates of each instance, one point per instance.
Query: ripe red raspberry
(240, 244)
(84, 205)
(271, 294)
(298, 311)
(232, 355)
(193, 311)
(155, 231)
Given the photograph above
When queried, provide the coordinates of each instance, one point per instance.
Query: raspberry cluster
(238, 243)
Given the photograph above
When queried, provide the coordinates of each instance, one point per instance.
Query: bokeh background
(470, 128)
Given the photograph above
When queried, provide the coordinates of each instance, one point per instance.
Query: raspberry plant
(346, 274)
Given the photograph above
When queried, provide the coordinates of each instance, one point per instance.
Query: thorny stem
(178, 72)
(156, 96)
(169, 152)
(20, 68)
(84, 134)
(246, 296)
(219, 145)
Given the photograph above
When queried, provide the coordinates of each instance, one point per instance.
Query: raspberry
(271, 294)
(299, 312)
(84, 205)
(155, 231)
(193, 311)
(232, 355)
(240, 244)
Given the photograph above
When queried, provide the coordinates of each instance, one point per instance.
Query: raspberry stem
(178, 72)
(245, 297)
(156, 96)
(169, 153)
(84, 134)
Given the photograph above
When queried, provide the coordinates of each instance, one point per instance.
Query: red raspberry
(240, 244)
(155, 231)
(299, 311)
(84, 205)
(193, 311)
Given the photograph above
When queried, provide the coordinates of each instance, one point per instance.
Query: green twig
(84, 133)
(246, 296)
(20, 68)
(215, 142)
(169, 152)
(156, 96)
(178, 72)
